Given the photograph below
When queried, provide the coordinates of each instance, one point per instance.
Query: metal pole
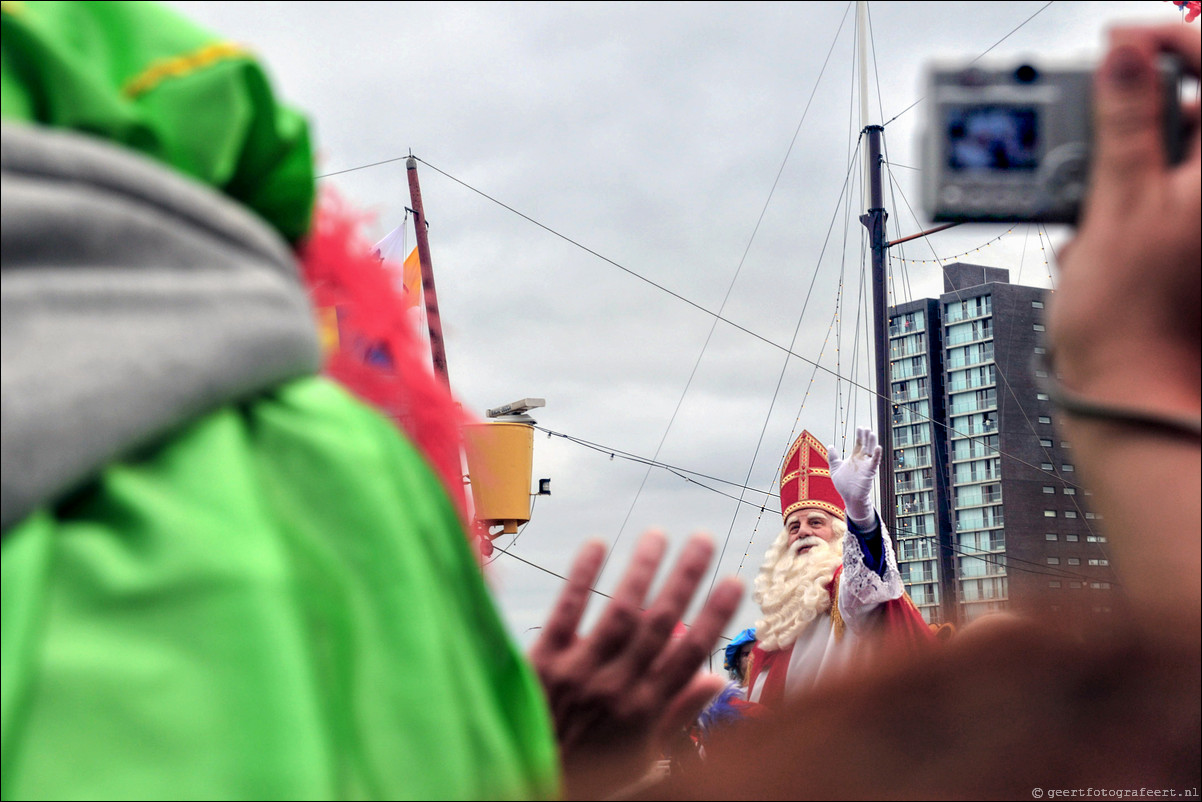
(438, 353)
(874, 221)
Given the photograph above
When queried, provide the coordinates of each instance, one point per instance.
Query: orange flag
(408, 278)
(411, 279)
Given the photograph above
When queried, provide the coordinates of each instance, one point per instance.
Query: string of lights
(944, 260)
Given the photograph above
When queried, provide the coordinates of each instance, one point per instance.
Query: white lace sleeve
(862, 589)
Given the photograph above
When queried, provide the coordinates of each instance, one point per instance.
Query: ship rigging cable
(978, 58)
(730, 287)
(737, 326)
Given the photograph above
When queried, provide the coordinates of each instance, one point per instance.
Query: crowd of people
(219, 554)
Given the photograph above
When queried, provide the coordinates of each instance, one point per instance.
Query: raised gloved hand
(853, 477)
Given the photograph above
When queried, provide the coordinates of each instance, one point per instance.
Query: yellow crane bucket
(500, 460)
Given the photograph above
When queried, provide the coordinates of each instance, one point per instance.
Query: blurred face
(744, 656)
(805, 525)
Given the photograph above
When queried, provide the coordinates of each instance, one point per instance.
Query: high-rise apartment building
(989, 512)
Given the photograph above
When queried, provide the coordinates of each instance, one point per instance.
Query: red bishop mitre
(806, 479)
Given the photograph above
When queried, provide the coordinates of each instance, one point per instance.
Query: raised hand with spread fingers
(619, 691)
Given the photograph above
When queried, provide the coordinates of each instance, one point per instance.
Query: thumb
(684, 708)
(833, 458)
(1128, 141)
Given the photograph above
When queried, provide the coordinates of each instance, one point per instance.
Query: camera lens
(1026, 74)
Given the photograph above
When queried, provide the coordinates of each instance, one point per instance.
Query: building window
(1049, 489)
(1074, 560)
(1071, 491)
(1071, 538)
(1090, 515)
(1045, 419)
(1053, 561)
(1046, 443)
(1067, 467)
(1100, 585)
(1054, 583)
(1041, 374)
(1037, 304)
(1040, 350)
(1099, 562)
(1051, 536)
(1095, 539)
(1075, 585)
(1038, 327)
(1049, 513)
(1065, 444)
(1070, 513)
(1046, 466)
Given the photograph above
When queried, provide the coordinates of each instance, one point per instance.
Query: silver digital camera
(1012, 144)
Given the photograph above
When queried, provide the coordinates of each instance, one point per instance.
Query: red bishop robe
(828, 643)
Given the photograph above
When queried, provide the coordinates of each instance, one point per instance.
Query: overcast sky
(653, 135)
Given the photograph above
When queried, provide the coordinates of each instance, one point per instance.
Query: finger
(870, 441)
(1128, 143)
(875, 462)
(684, 656)
(832, 458)
(684, 708)
(1174, 38)
(560, 629)
(862, 441)
(625, 610)
(1191, 112)
(660, 619)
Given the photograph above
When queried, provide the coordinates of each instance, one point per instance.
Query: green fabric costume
(140, 75)
(276, 603)
(223, 577)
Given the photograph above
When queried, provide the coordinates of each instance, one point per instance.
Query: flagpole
(437, 352)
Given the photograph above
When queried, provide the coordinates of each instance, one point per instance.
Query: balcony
(919, 576)
(912, 487)
(915, 508)
(968, 310)
(980, 523)
(961, 386)
(907, 369)
(976, 477)
(965, 406)
(960, 338)
(972, 449)
(898, 350)
(977, 499)
(911, 394)
(900, 328)
(975, 356)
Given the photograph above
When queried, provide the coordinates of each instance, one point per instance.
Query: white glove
(853, 478)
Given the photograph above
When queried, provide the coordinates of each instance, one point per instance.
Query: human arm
(853, 479)
(854, 476)
(870, 585)
(1123, 326)
(618, 691)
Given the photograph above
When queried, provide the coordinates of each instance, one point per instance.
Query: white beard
(792, 589)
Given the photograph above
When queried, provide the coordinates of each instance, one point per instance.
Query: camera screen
(997, 138)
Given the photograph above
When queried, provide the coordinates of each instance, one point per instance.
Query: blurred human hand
(1126, 313)
(1125, 330)
(617, 692)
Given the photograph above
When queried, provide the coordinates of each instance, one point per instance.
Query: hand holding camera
(1013, 143)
